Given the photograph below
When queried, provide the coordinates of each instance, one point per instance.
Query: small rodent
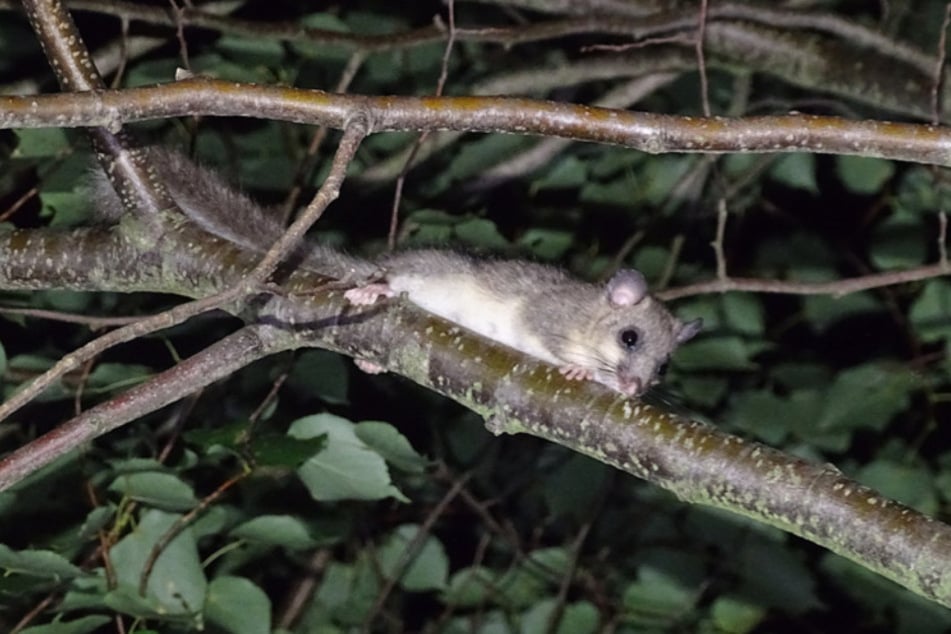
(615, 333)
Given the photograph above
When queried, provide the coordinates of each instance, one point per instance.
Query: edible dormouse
(614, 333)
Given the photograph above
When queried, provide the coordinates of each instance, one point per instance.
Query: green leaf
(160, 490)
(862, 174)
(762, 414)
(480, 233)
(387, 441)
(736, 615)
(743, 314)
(823, 311)
(575, 618)
(656, 598)
(797, 171)
(348, 591)
(283, 451)
(320, 50)
(427, 570)
(65, 204)
(533, 577)
(37, 563)
(260, 52)
(478, 156)
(567, 172)
(177, 585)
(238, 606)
(96, 520)
(84, 625)
(470, 587)
(41, 143)
(866, 397)
(899, 244)
(546, 244)
(931, 311)
(718, 353)
(347, 469)
(286, 531)
(912, 485)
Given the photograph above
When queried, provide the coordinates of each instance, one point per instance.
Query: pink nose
(630, 387)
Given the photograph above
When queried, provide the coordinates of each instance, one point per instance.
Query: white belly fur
(461, 301)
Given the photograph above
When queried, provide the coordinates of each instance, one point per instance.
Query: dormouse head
(634, 334)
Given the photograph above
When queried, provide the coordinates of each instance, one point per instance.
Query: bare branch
(648, 132)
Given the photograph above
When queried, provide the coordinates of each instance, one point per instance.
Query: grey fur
(616, 333)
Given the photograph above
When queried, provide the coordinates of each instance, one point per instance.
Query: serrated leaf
(347, 469)
(387, 441)
(177, 584)
(160, 490)
(427, 570)
(286, 531)
(37, 563)
(238, 606)
(84, 625)
(862, 174)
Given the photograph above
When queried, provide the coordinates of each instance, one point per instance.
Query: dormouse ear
(626, 288)
(689, 330)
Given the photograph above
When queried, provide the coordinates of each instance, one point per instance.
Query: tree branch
(647, 132)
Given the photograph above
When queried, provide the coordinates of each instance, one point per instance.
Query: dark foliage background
(413, 517)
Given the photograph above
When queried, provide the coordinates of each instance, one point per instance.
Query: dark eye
(629, 338)
(662, 370)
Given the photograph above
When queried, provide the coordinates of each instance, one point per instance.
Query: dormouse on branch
(615, 333)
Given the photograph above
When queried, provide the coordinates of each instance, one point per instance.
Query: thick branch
(644, 131)
(215, 362)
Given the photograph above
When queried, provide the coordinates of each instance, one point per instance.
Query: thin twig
(836, 288)
(440, 85)
(701, 59)
(181, 524)
(937, 81)
(942, 237)
(93, 322)
(717, 243)
(413, 547)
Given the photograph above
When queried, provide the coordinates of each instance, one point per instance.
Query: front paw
(574, 372)
(368, 294)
